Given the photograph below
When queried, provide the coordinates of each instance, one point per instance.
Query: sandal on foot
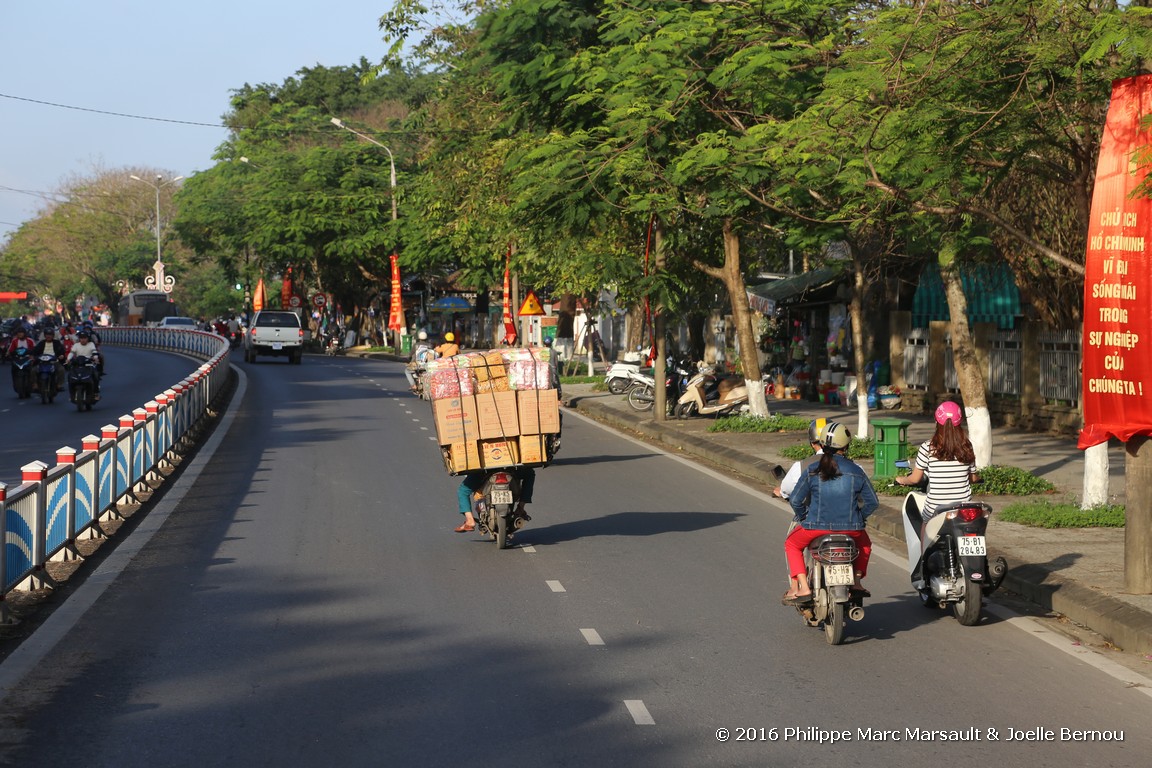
(465, 528)
(796, 599)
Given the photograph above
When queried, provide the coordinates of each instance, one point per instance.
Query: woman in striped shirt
(948, 461)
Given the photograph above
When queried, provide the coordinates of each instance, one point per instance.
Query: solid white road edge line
(34, 648)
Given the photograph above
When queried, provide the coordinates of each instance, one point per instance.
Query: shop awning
(990, 290)
(765, 297)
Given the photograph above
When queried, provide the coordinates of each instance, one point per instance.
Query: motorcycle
(22, 373)
(829, 560)
(706, 394)
(642, 394)
(82, 382)
(46, 370)
(495, 509)
(948, 555)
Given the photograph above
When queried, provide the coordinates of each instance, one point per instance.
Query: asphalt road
(34, 431)
(308, 604)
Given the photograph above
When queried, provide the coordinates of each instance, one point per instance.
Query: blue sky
(177, 61)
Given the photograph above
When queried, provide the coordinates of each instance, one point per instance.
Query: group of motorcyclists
(833, 494)
(65, 345)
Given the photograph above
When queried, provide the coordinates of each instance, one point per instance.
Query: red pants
(801, 537)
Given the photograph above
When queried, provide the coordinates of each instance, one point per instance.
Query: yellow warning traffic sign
(531, 305)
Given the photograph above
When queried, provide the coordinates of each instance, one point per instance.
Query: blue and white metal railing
(54, 506)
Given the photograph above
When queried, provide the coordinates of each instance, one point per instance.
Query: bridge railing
(53, 507)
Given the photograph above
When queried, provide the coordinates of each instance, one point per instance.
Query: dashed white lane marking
(592, 637)
(431, 437)
(425, 429)
(555, 586)
(639, 712)
(529, 549)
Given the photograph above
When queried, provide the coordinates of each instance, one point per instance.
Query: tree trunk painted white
(732, 276)
(1095, 476)
(980, 433)
(856, 320)
(968, 373)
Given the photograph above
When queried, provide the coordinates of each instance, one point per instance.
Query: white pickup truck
(274, 332)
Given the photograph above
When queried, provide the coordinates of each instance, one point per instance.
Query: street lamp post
(158, 279)
(392, 177)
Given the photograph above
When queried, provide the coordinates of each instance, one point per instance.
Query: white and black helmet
(836, 436)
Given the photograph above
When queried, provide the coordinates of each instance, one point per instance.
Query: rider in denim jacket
(833, 496)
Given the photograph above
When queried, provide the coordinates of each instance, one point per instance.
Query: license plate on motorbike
(277, 345)
(838, 575)
(501, 497)
(971, 546)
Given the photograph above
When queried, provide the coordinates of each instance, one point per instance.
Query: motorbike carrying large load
(495, 409)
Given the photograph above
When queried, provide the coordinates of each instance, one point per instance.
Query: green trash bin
(405, 344)
(890, 439)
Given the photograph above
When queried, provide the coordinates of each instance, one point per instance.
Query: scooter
(708, 395)
(82, 382)
(495, 509)
(46, 370)
(618, 378)
(948, 555)
(830, 574)
(22, 373)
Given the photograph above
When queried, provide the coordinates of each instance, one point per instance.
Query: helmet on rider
(449, 336)
(422, 336)
(21, 330)
(816, 429)
(836, 436)
(49, 331)
(84, 334)
(948, 411)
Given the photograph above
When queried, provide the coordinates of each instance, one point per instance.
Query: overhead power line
(113, 114)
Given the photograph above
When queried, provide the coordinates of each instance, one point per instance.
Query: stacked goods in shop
(495, 409)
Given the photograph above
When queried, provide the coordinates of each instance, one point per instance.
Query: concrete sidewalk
(1078, 573)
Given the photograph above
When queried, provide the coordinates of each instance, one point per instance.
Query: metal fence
(1059, 357)
(1060, 367)
(54, 506)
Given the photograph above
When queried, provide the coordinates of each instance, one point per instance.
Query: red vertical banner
(396, 311)
(286, 290)
(509, 323)
(1117, 391)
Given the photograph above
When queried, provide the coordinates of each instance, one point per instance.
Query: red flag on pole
(509, 323)
(396, 313)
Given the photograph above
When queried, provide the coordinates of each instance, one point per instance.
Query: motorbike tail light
(968, 514)
(503, 478)
(834, 553)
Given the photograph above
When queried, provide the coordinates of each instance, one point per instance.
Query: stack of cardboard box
(495, 409)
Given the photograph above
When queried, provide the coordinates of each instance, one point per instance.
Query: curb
(1122, 624)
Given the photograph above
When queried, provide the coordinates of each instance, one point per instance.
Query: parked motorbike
(46, 375)
(706, 394)
(642, 394)
(82, 382)
(495, 509)
(22, 373)
(618, 378)
(948, 555)
(830, 574)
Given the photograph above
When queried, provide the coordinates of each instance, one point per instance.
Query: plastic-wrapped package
(529, 374)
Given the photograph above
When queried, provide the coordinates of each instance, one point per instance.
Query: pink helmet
(948, 412)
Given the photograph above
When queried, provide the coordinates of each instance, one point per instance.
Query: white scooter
(948, 555)
(619, 377)
(708, 395)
